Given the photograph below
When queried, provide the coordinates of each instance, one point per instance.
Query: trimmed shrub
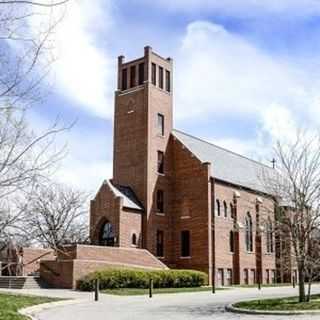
(136, 278)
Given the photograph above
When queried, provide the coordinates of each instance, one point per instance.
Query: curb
(31, 311)
(231, 308)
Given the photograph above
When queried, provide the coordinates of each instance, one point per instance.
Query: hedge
(134, 278)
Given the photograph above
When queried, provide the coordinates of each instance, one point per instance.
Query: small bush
(135, 278)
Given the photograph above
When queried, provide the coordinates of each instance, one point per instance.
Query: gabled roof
(226, 165)
(130, 200)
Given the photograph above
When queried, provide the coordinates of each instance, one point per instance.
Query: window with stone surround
(134, 239)
(269, 235)
(218, 209)
(124, 79)
(160, 162)
(248, 233)
(168, 81)
(132, 76)
(141, 74)
(160, 243)
(185, 243)
(160, 77)
(160, 124)
(160, 201)
(231, 241)
(153, 74)
(225, 209)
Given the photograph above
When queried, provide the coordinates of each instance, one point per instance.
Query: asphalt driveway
(182, 306)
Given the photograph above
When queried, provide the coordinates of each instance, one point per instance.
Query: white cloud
(83, 71)
(245, 8)
(218, 72)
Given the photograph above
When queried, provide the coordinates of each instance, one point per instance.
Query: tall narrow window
(160, 124)
(225, 209)
(168, 81)
(160, 162)
(160, 243)
(270, 247)
(132, 76)
(134, 239)
(160, 201)
(231, 241)
(249, 235)
(218, 209)
(232, 213)
(153, 73)
(124, 79)
(141, 74)
(185, 243)
(160, 77)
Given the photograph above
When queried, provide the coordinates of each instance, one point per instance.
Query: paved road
(183, 306)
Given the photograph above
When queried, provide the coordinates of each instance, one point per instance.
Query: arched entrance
(107, 236)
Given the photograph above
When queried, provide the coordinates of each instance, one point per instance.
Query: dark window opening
(160, 201)
(124, 79)
(231, 241)
(185, 243)
(160, 243)
(232, 213)
(168, 81)
(218, 211)
(132, 76)
(160, 162)
(161, 77)
(225, 209)
(141, 74)
(153, 73)
(107, 235)
(161, 124)
(134, 239)
(249, 233)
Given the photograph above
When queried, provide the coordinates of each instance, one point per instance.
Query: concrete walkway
(182, 306)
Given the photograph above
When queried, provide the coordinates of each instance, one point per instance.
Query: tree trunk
(309, 289)
(302, 291)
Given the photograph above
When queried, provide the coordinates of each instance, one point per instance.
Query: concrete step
(21, 283)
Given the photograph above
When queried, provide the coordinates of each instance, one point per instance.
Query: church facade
(190, 203)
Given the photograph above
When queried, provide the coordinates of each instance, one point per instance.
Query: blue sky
(246, 73)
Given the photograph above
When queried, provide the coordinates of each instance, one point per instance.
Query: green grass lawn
(10, 304)
(136, 292)
(284, 304)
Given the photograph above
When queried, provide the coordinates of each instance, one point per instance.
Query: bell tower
(142, 128)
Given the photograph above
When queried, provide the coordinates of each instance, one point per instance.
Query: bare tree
(56, 215)
(296, 188)
(26, 43)
(26, 54)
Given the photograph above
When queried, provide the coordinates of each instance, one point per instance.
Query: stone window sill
(185, 217)
(189, 257)
(161, 214)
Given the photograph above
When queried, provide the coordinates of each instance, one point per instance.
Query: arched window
(231, 241)
(134, 239)
(249, 235)
(269, 230)
(218, 211)
(107, 236)
(225, 209)
(232, 213)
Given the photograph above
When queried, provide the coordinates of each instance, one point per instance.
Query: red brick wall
(191, 209)
(32, 258)
(246, 260)
(105, 207)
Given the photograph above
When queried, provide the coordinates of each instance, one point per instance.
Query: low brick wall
(80, 260)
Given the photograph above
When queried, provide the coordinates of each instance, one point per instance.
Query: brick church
(190, 203)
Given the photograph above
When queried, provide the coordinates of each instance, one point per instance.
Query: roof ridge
(222, 148)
